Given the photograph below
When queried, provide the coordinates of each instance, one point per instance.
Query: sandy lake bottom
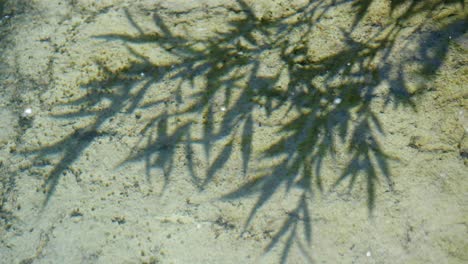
(233, 131)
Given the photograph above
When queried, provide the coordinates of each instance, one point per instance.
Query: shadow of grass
(324, 104)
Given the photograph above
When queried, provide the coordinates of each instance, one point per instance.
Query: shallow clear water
(233, 132)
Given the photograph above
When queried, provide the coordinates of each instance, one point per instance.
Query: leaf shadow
(327, 104)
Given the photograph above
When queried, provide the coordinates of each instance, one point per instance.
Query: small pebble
(27, 112)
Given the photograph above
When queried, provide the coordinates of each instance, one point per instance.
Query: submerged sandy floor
(233, 132)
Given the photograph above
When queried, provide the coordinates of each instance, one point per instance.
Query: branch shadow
(327, 102)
